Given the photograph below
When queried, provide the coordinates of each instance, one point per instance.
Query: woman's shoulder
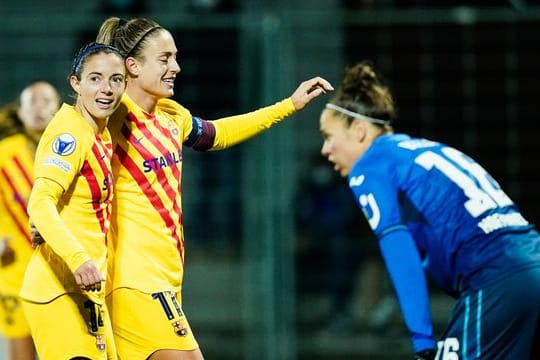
(12, 143)
(172, 107)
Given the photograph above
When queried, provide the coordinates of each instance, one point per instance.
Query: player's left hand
(309, 90)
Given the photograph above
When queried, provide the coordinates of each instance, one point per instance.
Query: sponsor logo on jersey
(169, 159)
(57, 162)
(356, 180)
(64, 144)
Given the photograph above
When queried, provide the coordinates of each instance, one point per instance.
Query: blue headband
(87, 50)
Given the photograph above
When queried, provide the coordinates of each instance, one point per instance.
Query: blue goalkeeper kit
(436, 210)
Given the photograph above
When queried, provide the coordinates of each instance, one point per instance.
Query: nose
(175, 66)
(107, 88)
(325, 149)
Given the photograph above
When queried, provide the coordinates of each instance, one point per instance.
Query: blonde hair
(129, 37)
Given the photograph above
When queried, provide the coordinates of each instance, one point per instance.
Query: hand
(428, 354)
(309, 90)
(7, 254)
(88, 277)
(35, 236)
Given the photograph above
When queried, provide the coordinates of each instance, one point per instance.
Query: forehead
(104, 62)
(330, 121)
(39, 90)
(160, 42)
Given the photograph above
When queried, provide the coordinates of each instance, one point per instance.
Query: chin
(344, 172)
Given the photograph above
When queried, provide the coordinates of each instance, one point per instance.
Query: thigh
(145, 323)
(70, 326)
(497, 322)
(13, 324)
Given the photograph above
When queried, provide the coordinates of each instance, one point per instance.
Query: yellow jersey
(16, 179)
(74, 216)
(146, 239)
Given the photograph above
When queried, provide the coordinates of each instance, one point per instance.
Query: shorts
(501, 321)
(144, 323)
(70, 326)
(13, 324)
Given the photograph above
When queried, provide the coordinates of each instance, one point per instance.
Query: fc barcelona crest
(179, 328)
(100, 342)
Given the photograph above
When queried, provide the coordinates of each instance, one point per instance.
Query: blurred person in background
(21, 125)
(435, 210)
(70, 205)
(146, 241)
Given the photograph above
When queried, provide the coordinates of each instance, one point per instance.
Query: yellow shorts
(13, 324)
(70, 326)
(144, 323)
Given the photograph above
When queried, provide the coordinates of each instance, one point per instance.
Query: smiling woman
(70, 205)
(147, 235)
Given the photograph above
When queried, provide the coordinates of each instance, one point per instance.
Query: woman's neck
(142, 99)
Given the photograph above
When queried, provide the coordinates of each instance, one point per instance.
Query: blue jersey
(434, 208)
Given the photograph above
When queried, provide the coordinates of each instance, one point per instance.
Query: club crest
(100, 342)
(179, 328)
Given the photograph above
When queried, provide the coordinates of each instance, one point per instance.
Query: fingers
(319, 83)
(88, 277)
(310, 89)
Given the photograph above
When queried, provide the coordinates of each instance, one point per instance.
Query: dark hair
(363, 91)
(129, 37)
(87, 51)
(10, 123)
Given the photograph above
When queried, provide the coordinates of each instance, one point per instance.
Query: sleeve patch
(64, 144)
(58, 163)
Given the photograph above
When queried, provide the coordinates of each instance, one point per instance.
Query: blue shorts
(501, 321)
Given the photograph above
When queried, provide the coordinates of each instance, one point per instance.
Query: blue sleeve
(405, 269)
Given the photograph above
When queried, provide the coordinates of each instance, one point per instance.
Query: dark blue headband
(90, 49)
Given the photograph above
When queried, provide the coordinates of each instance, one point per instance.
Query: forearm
(43, 212)
(236, 129)
(406, 272)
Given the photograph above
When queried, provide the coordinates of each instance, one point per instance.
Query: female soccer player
(147, 238)
(435, 209)
(25, 122)
(70, 205)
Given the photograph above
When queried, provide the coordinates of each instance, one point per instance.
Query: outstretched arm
(226, 132)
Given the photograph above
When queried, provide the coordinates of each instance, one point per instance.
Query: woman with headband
(70, 204)
(147, 234)
(435, 210)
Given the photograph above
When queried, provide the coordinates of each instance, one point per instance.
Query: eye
(118, 79)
